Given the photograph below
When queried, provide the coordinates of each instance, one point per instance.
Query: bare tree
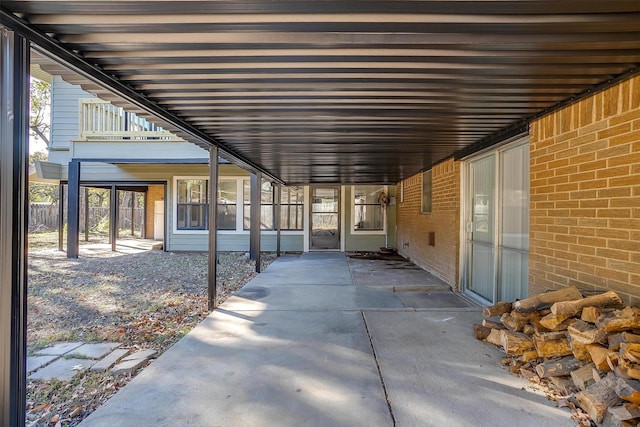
(40, 100)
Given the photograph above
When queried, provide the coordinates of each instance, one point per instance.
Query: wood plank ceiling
(348, 91)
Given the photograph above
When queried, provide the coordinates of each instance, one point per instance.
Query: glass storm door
(325, 218)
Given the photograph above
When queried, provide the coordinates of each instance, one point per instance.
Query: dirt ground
(143, 300)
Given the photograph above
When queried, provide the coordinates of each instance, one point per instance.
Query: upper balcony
(103, 128)
(100, 121)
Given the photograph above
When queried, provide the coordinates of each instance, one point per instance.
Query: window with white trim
(427, 187)
(192, 204)
(368, 207)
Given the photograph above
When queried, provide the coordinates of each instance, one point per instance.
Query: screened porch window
(192, 204)
(266, 205)
(368, 212)
(291, 208)
(227, 204)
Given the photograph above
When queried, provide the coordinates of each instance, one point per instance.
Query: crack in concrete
(375, 358)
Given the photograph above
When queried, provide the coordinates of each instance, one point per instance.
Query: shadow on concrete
(299, 347)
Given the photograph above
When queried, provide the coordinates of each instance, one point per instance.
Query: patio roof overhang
(339, 91)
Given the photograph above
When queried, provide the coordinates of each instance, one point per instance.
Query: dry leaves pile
(142, 300)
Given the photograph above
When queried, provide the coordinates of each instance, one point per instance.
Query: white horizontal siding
(234, 242)
(64, 112)
(370, 242)
(138, 150)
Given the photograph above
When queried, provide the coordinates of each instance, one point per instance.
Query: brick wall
(155, 192)
(444, 219)
(585, 195)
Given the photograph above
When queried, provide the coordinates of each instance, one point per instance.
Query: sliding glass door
(497, 224)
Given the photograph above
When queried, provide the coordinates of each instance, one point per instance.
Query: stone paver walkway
(64, 360)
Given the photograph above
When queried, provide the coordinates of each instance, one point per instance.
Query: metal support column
(86, 214)
(113, 218)
(73, 210)
(143, 223)
(254, 230)
(61, 217)
(14, 158)
(213, 228)
(133, 216)
(278, 218)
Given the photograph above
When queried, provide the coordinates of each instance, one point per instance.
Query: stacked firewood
(586, 348)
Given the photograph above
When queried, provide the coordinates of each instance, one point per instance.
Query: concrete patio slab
(433, 299)
(392, 274)
(310, 297)
(437, 374)
(271, 368)
(306, 269)
(291, 354)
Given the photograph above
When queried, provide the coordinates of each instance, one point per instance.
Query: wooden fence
(44, 217)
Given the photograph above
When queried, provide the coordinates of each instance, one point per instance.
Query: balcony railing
(102, 121)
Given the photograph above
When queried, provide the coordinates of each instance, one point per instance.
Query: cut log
(545, 300)
(491, 324)
(550, 336)
(481, 332)
(563, 384)
(515, 343)
(618, 338)
(529, 355)
(621, 372)
(529, 329)
(530, 375)
(596, 374)
(537, 326)
(630, 352)
(599, 356)
(612, 361)
(554, 322)
(586, 333)
(625, 415)
(557, 368)
(633, 372)
(596, 399)
(590, 314)
(571, 308)
(628, 390)
(513, 323)
(620, 320)
(583, 376)
(496, 309)
(552, 348)
(579, 350)
(495, 337)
